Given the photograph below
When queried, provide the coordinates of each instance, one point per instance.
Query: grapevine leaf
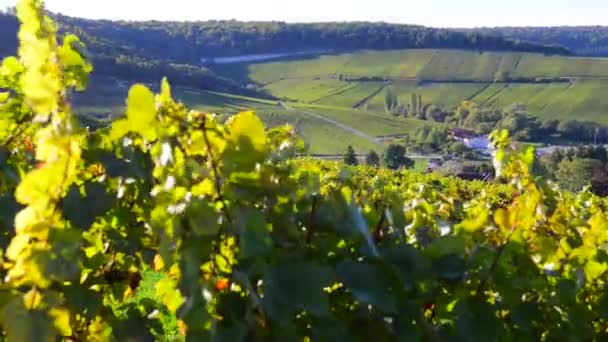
(167, 292)
(357, 220)
(85, 301)
(409, 264)
(294, 287)
(204, 218)
(444, 246)
(248, 143)
(450, 267)
(255, 240)
(25, 325)
(76, 68)
(82, 210)
(477, 321)
(369, 284)
(237, 332)
(10, 67)
(61, 320)
(141, 112)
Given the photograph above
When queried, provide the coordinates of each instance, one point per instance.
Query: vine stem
(494, 265)
(311, 221)
(379, 232)
(216, 174)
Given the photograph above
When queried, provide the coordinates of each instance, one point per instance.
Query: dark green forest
(187, 42)
(582, 40)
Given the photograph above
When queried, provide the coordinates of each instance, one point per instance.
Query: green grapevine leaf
(369, 284)
(296, 287)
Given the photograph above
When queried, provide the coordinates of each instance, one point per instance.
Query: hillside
(332, 78)
(552, 87)
(119, 61)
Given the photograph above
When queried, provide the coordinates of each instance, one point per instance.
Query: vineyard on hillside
(233, 239)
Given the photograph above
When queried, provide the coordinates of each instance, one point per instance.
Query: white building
(480, 143)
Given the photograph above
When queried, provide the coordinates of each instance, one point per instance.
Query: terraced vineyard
(550, 86)
(338, 100)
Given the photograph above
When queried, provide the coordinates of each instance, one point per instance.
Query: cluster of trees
(581, 40)
(575, 168)
(394, 158)
(392, 105)
(515, 119)
(135, 68)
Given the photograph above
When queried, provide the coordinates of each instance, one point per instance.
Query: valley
(337, 100)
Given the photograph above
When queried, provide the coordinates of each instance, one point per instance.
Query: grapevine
(239, 240)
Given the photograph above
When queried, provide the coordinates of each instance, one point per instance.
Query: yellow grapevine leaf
(61, 320)
(141, 111)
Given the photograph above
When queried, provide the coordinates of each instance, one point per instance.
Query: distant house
(541, 151)
(470, 139)
(460, 134)
(480, 143)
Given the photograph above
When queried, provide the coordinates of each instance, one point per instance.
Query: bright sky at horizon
(438, 13)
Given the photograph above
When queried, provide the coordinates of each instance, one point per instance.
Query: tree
(350, 158)
(458, 148)
(574, 175)
(390, 100)
(395, 158)
(414, 104)
(372, 159)
(435, 113)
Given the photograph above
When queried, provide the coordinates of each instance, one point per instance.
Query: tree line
(188, 42)
(111, 58)
(581, 40)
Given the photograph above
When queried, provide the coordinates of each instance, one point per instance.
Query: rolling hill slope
(552, 87)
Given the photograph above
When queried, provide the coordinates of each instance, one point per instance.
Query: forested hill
(114, 59)
(581, 40)
(187, 42)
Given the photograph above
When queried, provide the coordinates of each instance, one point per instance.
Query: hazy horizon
(435, 13)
